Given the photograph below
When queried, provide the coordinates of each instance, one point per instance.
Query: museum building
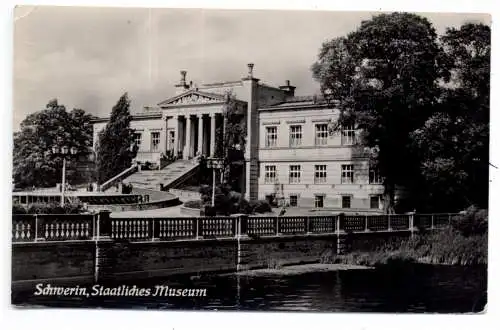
(289, 151)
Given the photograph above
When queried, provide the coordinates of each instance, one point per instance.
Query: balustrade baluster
(16, 232)
(35, 238)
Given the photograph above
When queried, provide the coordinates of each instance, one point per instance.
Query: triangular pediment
(193, 97)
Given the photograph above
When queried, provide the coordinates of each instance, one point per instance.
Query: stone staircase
(168, 176)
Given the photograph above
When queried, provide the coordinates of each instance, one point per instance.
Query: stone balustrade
(60, 227)
(53, 227)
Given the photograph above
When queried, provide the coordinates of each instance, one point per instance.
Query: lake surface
(416, 289)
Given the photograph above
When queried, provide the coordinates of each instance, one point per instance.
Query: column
(212, 134)
(187, 147)
(200, 134)
(176, 134)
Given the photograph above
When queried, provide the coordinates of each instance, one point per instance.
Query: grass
(448, 247)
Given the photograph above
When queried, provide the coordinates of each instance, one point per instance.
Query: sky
(88, 57)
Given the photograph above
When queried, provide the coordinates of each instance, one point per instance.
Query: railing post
(411, 224)
(243, 225)
(449, 219)
(337, 231)
(95, 234)
(340, 222)
(389, 222)
(103, 226)
(36, 227)
(366, 222)
(432, 221)
(153, 229)
(277, 225)
(306, 224)
(198, 225)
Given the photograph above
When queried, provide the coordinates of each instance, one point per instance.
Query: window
(294, 200)
(271, 136)
(375, 176)
(346, 202)
(375, 202)
(138, 139)
(318, 201)
(155, 141)
(295, 135)
(319, 173)
(347, 174)
(321, 134)
(294, 174)
(270, 174)
(348, 135)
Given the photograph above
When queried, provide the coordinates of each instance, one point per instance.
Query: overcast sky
(88, 57)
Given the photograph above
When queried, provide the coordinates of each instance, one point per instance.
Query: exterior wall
(333, 154)
(333, 190)
(270, 95)
(145, 127)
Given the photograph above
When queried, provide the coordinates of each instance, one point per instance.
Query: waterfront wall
(52, 262)
(94, 247)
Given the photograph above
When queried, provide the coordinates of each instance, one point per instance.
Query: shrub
(473, 222)
(195, 204)
(262, 206)
(53, 208)
(244, 206)
(18, 209)
(127, 188)
(228, 201)
(147, 166)
(210, 211)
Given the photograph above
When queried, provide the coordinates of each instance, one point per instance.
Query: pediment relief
(192, 98)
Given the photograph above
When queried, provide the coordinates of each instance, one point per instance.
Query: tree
(453, 143)
(116, 148)
(230, 144)
(33, 163)
(384, 78)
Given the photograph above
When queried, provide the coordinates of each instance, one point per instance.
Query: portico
(193, 119)
(194, 133)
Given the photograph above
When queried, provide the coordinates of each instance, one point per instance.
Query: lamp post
(64, 151)
(214, 164)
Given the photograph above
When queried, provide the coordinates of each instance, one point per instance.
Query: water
(420, 288)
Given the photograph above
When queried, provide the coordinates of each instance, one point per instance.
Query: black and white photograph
(250, 160)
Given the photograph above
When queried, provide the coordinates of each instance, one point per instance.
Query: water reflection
(421, 288)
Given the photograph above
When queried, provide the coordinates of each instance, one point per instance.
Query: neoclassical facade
(289, 152)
